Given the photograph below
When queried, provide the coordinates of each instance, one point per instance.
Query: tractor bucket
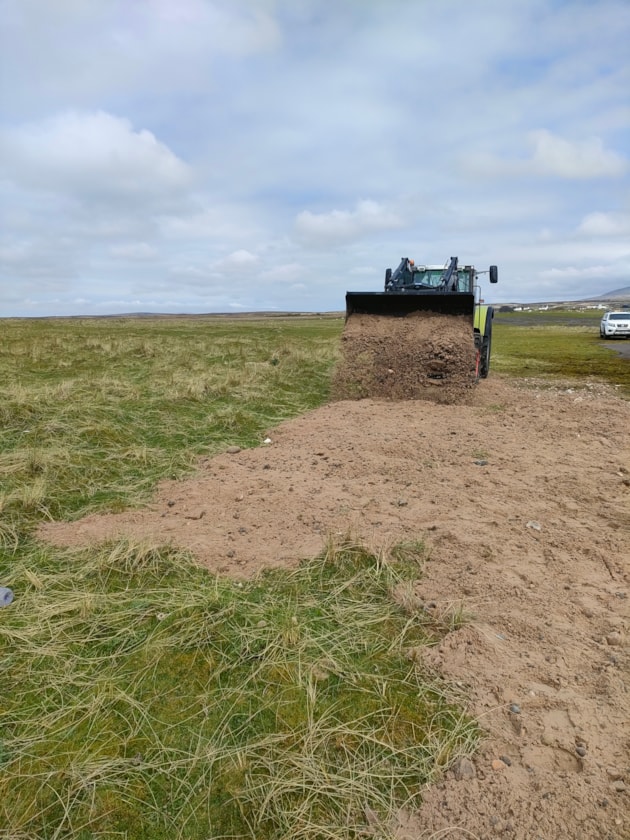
(400, 304)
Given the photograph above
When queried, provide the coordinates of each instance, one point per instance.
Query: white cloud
(134, 251)
(553, 155)
(91, 156)
(363, 270)
(283, 274)
(572, 272)
(235, 262)
(211, 220)
(236, 28)
(73, 52)
(346, 225)
(605, 224)
(203, 153)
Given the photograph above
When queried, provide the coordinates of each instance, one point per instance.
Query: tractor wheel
(484, 364)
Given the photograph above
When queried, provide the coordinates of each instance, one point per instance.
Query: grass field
(557, 344)
(142, 696)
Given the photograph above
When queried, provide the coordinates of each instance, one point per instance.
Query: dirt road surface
(522, 495)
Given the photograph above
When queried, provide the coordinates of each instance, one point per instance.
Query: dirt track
(522, 495)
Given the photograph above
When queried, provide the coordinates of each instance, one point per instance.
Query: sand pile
(424, 355)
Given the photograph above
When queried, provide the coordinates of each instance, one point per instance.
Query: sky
(254, 155)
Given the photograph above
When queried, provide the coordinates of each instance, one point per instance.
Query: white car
(615, 325)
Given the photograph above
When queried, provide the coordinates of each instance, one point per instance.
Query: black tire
(486, 348)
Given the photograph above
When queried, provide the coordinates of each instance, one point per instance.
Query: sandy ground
(522, 494)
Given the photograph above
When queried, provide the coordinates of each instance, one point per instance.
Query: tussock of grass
(152, 698)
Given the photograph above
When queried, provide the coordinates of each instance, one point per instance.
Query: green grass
(146, 698)
(157, 700)
(94, 412)
(557, 350)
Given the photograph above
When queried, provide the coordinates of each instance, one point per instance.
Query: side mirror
(494, 274)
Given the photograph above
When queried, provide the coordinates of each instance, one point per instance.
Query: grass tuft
(154, 698)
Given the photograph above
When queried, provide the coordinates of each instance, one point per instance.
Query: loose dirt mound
(522, 496)
(424, 355)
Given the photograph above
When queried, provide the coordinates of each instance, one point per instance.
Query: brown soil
(522, 496)
(424, 355)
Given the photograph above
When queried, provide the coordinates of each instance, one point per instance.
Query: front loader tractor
(446, 290)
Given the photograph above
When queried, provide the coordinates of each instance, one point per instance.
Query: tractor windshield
(430, 278)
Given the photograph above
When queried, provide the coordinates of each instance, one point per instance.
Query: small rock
(497, 764)
(267, 440)
(515, 709)
(262, 623)
(506, 760)
(402, 503)
(614, 774)
(464, 769)
(581, 751)
(480, 462)
(231, 553)
(535, 526)
(619, 786)
(613, 638)
(232, 450)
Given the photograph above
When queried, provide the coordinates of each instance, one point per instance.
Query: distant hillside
(616, 294)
